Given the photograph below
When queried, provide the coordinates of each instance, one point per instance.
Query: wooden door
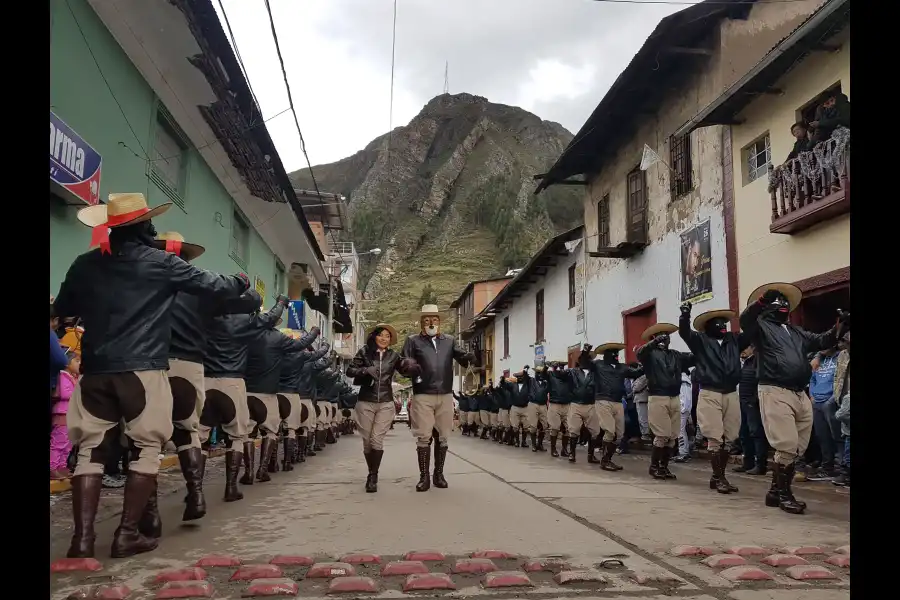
(634, 324)
(637, 207)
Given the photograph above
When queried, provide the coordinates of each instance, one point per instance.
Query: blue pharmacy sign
(296, 315)
(74, 165)
(539, 355)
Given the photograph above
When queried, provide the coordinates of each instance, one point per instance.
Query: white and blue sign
(296, 315)
(539, 355)
(74, 165)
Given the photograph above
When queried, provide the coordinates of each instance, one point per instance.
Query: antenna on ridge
(447, 77)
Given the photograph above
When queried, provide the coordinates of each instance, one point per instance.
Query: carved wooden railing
(812, 176)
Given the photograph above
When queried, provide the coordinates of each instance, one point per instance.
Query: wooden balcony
(622, 250)
(813, 187)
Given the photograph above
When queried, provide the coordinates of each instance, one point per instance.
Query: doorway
(634, 322)
(818, 312)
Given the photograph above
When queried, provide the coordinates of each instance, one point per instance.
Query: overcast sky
(555, 58)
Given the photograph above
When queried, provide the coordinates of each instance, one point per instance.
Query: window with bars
(680, 161)
(572, 286)
(539, 317)
(603, 222)
(240, 240)
(637, 206)
(757, 158)
(168, 165)
(505, 337)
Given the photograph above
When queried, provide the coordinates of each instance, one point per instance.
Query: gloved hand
(243, 277)
(315, 331)
(325, 346)
(844, 318)
(410, 367)
(587, 347)
(769, 297)
(282, 299)
(372, 372)
(686, 308)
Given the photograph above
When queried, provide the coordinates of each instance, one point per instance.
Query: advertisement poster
(696, 264)
(260, 286)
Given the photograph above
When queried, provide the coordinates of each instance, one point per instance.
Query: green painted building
(154, 88)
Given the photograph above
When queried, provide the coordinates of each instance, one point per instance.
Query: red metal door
(634, 324)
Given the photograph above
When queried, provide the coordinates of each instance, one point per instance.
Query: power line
(237, 55)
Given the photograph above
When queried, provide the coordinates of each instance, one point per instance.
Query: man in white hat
(609, 391)
(717, 355)
(663, 367)
(784, 372)
(428, 359)
(124, 291)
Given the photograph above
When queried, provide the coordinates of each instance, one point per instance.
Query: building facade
(469, 306)
(179, 136)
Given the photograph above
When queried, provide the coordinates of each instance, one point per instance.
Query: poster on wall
(696, 264)
(260, 286)
(579, 299)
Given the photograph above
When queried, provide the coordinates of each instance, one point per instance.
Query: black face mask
(247, 304)
(662, 341)
(717, 328)
(780, 309)
(611, 357)
(142, 233)
(584, 360)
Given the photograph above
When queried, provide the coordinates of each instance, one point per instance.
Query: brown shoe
(606, 463)
(85, 499)
(127, 540)
(150, 524)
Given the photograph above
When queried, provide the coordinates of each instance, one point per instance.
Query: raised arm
(461, 356)
(690, 337)
(289, 344)
(189, 279)
(633, 372)
(686, 360)
(268, 319)
(750, 320)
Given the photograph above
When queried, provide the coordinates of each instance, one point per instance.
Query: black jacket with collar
(542, 388)
(558, 387)
(664, 368)
(609, 379)
(315, 364)
(582, 385)
(125, 299)
(435, 375)
(503, 392)
(781, 350)
(292, 366)
(228, 337)
(188, 331)
(374, 374)
(267, 352)
(718, 366)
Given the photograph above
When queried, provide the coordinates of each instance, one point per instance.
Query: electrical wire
(240, 60)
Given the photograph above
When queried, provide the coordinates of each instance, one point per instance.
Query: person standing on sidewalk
(784, 373)
(505, 391)
(826, 428)
(756, 447)
(123, 291)
(372, 369)
(842, 399)
(557, 411)
(684, 439)
(429, 358)
(663, 367)
(717, 356)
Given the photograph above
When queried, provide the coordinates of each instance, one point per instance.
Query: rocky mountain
(449, 199)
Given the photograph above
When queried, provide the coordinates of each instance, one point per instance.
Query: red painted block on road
(185, 589)
(724, 560)
(497, 554)
(286, 560)
(693, 551)
(655, 577)
(423, 582)
(807, 572)
(748, 573)
(804, 550)
(186, 574)
(218, 560)
(843, 550)
(102, 592)
(352, 585)
(250, 572)
(403, 567)
(505, 579)
(273, 587)
(361, 559)
(784, 560)
(474, 565)
(68, 565)
(587, 576)
(839, 560)
(747, 551)
(425, 555)
(536, 565)
(327, 570)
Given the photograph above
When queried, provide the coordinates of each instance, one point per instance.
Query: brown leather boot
(265, 455)
(150, 524)
(424, 456)
(287, 464)
(193, 466)
(249, 456)
(85, 499)
(606, 463)
(301, 449)
(127, 540)
(440, 457)
(232, 466)
(273, 458)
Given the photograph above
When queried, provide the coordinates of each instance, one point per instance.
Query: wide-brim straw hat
(172, 241)
(658, 328)
(291, 333)
(701, 320)
(390, 329)
(430, 310)
(512, 379)
(120, 210)
(618, 346)
(790, 291)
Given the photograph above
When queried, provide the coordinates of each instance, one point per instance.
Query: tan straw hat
(790, 291)
(658, 328)
(390, 329)
(172, 241)
(702, 319)
(430, 310)
(120, 210)
(618, 346)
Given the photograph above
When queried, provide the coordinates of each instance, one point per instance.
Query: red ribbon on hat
(100, 233)
(173, 246)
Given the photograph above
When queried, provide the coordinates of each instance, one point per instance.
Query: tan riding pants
(556, 416)
(485, 417)
(142, 399)
(375, 419)
(664, 413)
(188, 395)
(307, 415)
(582, 415)
(294, 420)
(611, 416)
(324, 417)
(473, 417)
(226, 407)
(719, 417)
(265, 407)
(503, 418)
(518, 415)
(537, 414)
(430, 412)
(787, 418)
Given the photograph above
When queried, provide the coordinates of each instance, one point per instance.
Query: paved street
(500, 498)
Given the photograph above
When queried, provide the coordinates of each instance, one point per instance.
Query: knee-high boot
(249, 456)
(573, 444)
(423, 453)
(262, 473)
(232, 466)
(273, 457)
(193, 467)
(440, 456)
(288, 462)
(564, 451)
(128, 540)
(85, 500)
(553, 451)
(301, 448)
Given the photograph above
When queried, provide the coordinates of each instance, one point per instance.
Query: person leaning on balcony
(124, 291)
(784, 372)
(833, 112)
(802, 143)
(373, 370)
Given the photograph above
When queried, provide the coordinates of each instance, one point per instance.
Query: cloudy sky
(555, 58)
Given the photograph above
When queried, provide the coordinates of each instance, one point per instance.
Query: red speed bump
(474, 565)
(807, 572)
(404, 567)
(804, 550)
(724, 560)
(218, 560)
(504, 579)
(250, 572)
(361, 559)
(286, 560)
(352, 585)
(784, 560)
(693, 551)
(552, 565)
(185, 589)
(327, 570)
(67, 565)
(428, 581)
(839, 560)
(747, 573)
(186, 574)
(425, 555)
(747, 551)
(273, 587)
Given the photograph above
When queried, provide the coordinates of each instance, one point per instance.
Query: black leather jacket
(188, 331)
(542, 388)
(718, 365)
(297, 370)
(374, 373)
(267, 352)
(581, 385)
(558, 387)
(609, 380)
(228, 337)
(325, 380)
(503, 393)
(348, 399)
(781, 349)
(664, 368)
(124, 300)
(435, 374)
(748, 390)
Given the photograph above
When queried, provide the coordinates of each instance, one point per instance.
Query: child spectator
(60, 446)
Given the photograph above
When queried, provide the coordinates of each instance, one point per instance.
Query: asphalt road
(500, 498)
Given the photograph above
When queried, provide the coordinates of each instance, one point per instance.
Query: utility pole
(447, 77)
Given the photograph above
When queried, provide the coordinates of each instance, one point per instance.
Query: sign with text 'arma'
(74, 165)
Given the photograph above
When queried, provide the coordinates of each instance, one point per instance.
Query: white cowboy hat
(430, 310)
(618, 346)
(701, 320)
(172, 241)
(790, 291)
(390, 329)
(658, 328)
(120, 210)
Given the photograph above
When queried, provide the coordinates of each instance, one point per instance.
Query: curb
(59, 486)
